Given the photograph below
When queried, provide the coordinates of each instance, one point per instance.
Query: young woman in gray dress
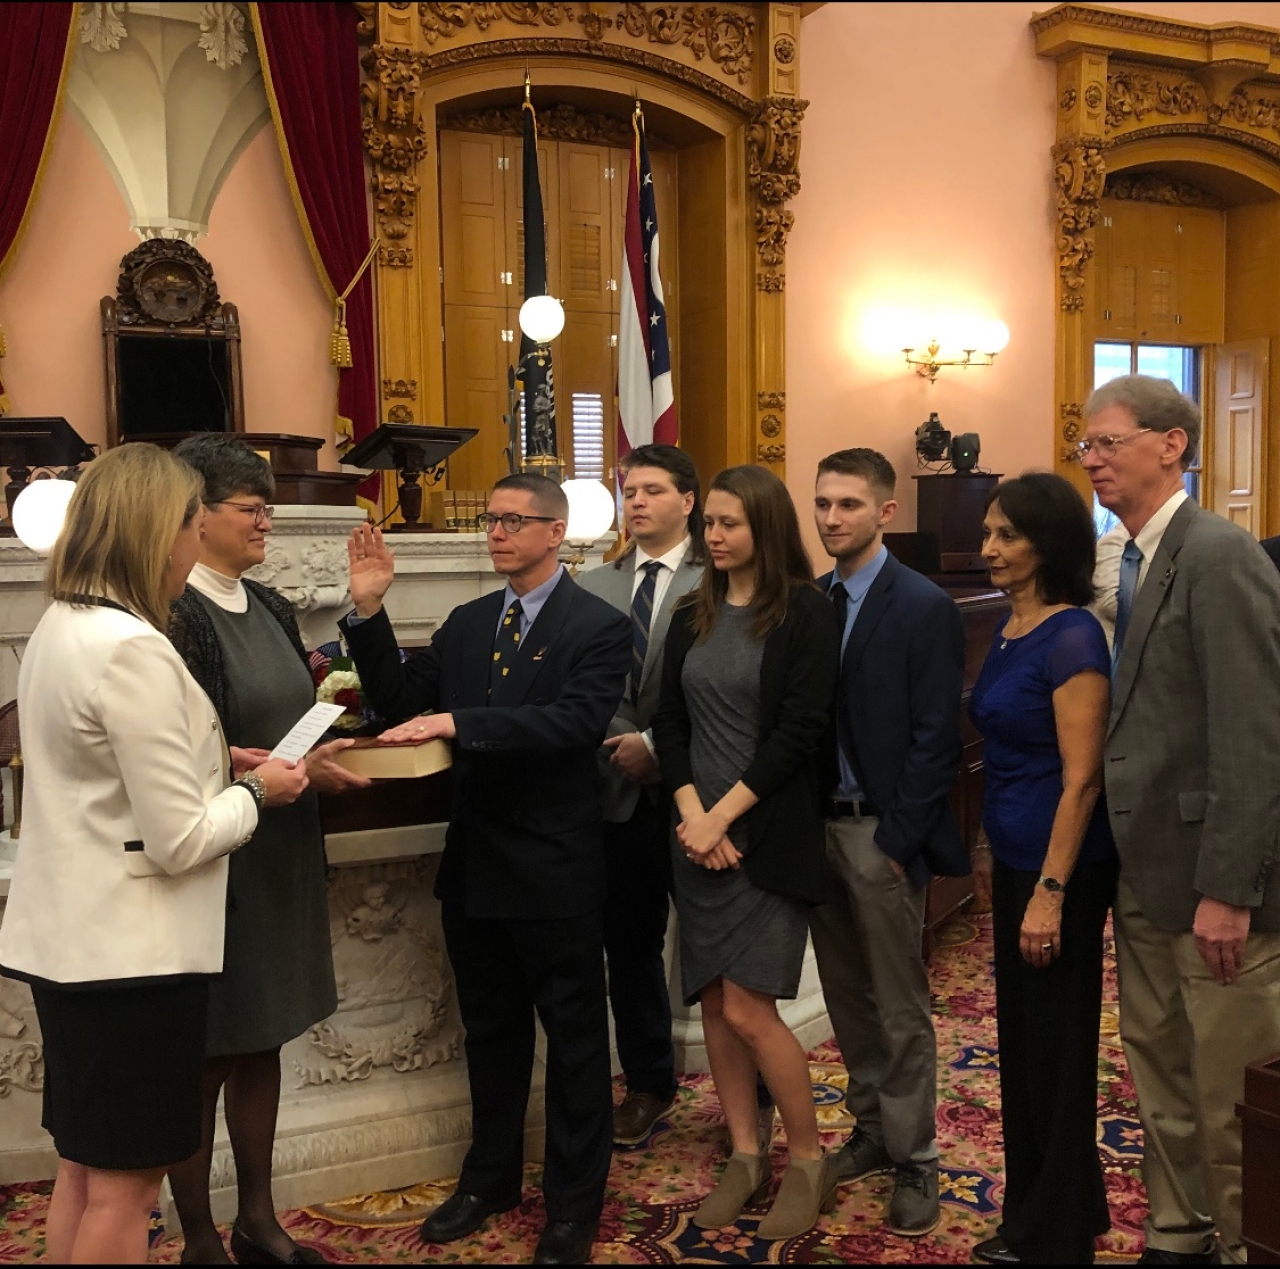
(241, 643)
(748, 687)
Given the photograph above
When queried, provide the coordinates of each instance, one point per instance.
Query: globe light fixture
(591, 510)
(40, 512)
(542, 318)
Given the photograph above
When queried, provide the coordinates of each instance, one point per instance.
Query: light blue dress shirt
(857, 586)
(530, 604)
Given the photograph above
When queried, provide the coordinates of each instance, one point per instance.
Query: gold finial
(528, 81)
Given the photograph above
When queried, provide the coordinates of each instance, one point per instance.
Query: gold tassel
(339, 342)
(3, 350)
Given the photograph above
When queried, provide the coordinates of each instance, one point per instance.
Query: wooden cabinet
(1160, 273)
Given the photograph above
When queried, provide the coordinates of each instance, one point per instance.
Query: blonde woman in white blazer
(116, 908)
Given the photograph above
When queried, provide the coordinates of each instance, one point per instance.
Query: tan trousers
(1188, 1039)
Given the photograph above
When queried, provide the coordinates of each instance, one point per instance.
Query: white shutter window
(588, 436)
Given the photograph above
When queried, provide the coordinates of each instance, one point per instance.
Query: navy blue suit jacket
(901, 678)
(525, 839)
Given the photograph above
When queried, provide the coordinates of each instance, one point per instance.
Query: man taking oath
(524, 682)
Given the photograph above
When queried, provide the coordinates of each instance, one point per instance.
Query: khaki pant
(1188, 1039)
(867, 939)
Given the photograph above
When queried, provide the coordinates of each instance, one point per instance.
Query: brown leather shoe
(633, 1121)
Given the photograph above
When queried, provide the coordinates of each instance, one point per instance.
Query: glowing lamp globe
(591, 510)
(542, 318)
(39, 513)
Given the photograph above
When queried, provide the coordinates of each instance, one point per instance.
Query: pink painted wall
(70, 256)
(940, 199)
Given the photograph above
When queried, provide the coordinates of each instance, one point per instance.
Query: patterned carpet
(655, 1188)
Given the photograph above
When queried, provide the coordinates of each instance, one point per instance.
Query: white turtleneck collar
(227, 592)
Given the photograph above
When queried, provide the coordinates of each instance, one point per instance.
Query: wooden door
(1202, 273)
(1240, 406)
(478, 343)
(588, 277)
(475, 185)
(1158, 282)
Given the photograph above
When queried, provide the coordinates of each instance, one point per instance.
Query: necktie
(506, 645)
(641, 620)
(840, 602)
(1130, 565)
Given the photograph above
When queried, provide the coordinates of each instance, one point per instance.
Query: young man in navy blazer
(524, 681)
(894, 757)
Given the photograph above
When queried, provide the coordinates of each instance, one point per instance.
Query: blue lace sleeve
(1077, 647)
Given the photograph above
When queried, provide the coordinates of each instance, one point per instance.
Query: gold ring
(1045, 947)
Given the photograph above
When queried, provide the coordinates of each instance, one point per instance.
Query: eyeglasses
(261, 514)
(1103, 446)
(512, 522)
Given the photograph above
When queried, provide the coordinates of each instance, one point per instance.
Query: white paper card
(306, 731)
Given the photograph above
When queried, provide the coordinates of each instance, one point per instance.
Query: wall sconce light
(977, 343)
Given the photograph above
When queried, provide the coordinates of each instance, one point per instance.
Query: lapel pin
(537, 656)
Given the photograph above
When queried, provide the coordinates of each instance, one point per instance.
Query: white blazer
(126, 818)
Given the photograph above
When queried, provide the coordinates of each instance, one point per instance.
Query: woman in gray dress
(748, 687)
(241, 643)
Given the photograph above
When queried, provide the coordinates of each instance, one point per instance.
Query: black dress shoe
(459, 1216)
(247, 1252)
(994, 1252)
(1154, 1256)
(566, 1243)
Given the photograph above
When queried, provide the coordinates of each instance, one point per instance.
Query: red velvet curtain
(33, 53)
(312, 64)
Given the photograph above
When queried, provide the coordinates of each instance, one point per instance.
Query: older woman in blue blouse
(1041, 704)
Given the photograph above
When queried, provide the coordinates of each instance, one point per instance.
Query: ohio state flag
(646, 403)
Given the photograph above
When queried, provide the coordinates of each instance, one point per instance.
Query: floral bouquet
(338, 683)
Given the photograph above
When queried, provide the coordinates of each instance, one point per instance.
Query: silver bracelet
(257, 787)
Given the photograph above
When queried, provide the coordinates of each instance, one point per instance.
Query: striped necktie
(641, 620)
(506, 645)
(1130, 567)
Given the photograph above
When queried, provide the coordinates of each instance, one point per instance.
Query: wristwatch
(1052, 885)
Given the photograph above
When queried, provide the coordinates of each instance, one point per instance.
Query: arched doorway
(1174, 124)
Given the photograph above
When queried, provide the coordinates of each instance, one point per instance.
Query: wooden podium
(293, 463)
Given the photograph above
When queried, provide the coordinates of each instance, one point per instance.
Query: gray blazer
(1193, 742)
(619, 795)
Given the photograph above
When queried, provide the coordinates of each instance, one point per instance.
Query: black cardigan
(192, 632)
(799, 671)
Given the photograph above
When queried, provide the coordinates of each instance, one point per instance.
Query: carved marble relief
(21, 1053)
(394, 984)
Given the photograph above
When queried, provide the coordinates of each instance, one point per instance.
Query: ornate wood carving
(1251, 107)
(773, 156)
(723, 35)
(771, 426)
(396, 139)
(1156, 187)
(562, 122)
(623, 53)
(771, 453)
(167, 281)
(771, 400)
(400, 414)
(400, 388)
(1133, 93)
(1079, 169)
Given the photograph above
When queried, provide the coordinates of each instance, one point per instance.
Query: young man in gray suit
(1193, 788)
(663, 561)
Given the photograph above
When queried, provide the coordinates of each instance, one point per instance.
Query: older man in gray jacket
(663, 561)
(1193, 787)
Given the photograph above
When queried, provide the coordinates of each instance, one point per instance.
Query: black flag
(539, 387)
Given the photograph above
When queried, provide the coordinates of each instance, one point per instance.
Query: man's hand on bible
(631, 756)
(417, 730)
(372, 568)
(1220, 931)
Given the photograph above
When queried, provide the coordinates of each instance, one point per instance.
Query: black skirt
(122, 1070)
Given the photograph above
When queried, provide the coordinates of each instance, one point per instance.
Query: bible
(370, 758)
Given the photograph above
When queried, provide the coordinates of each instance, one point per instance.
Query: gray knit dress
(277, 978)
(728, 927)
